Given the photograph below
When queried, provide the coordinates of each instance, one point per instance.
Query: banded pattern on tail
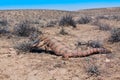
(61, 49)
(76, 53)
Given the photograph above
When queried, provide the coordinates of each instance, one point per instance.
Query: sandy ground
(44, 66)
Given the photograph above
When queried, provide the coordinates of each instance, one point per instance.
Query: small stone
(107, 60)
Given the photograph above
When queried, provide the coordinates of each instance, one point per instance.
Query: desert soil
(45, 66)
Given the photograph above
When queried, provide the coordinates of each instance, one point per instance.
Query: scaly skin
(76, 53)
(61, 50)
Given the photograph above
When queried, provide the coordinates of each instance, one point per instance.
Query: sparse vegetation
(24, 46)
(84, 20)
(90, 43)
(51, 24)
(94, 44)
(63, 32)
(24, 29)
(102, 17)
(3, 26)
(44, 55)
(3, 22)
(102, 26)
(115, 35)
(34, 36)
(93, 70)
(67, 21)
(80, 44)
(4, 30)
(109, 17)
(114, 17)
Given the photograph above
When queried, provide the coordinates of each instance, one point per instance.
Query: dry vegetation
(80, 30)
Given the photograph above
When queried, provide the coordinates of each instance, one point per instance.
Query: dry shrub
(102, 26)
(52, 23)
(24, 46)
(3, 22)
(84, 20)
(24, 29)
(93, 70)
(63, 32)
(114, 17)
(95, 44)
(115, 35)
(3, 27)
(90, 43)
(27, 45)
(67, 21)
(102, 17)
(4, 30)
(109, 17)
